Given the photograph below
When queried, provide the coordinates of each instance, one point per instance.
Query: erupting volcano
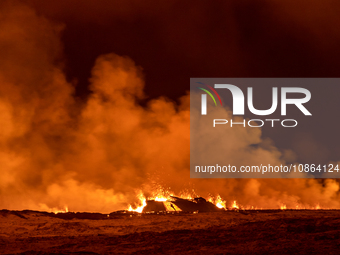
(92, 154)
(95, 127)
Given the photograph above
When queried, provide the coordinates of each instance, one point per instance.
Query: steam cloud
(56, 151)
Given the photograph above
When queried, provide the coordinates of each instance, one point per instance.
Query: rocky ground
(231, 232)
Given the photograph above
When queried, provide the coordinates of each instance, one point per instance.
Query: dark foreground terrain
(231, 232)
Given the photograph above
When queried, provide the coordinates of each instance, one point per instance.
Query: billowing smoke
(56, 151)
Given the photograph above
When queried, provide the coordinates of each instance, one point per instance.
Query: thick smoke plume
(57, 152)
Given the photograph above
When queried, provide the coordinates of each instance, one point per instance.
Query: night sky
(175, 40)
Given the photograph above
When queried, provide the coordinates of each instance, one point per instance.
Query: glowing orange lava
(235, 206)
(164, 195)
(55, 211)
